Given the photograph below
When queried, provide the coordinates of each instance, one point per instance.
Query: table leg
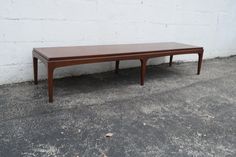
(35, 67)
(50, 83)
(200, 55)
(143, 70)
(171, 58)
(117, 66)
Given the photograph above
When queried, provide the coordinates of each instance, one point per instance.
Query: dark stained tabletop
(58, 53)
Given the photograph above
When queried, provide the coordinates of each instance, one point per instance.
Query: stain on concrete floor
(177, 113)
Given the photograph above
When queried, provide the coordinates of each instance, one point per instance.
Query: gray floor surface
(176, 114)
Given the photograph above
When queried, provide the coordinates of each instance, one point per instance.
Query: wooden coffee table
(55, 57)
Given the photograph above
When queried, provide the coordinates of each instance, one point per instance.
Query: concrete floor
(177, 113)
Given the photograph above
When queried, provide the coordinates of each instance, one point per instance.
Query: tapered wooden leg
(143, 70)
(50, 83)
(35, 67)
(171, 58)
(117, 67)
(200, 55)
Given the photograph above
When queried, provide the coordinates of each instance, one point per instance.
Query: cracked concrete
(177, 113)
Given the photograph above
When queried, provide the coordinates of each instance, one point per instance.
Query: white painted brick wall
(25, 24)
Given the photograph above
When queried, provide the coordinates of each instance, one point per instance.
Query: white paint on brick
(25, 24)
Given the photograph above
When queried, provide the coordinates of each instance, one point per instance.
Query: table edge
(110, 55)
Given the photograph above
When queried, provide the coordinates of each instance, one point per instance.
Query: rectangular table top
(75, 52)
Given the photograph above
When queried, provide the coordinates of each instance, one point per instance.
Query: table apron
(70, 62)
